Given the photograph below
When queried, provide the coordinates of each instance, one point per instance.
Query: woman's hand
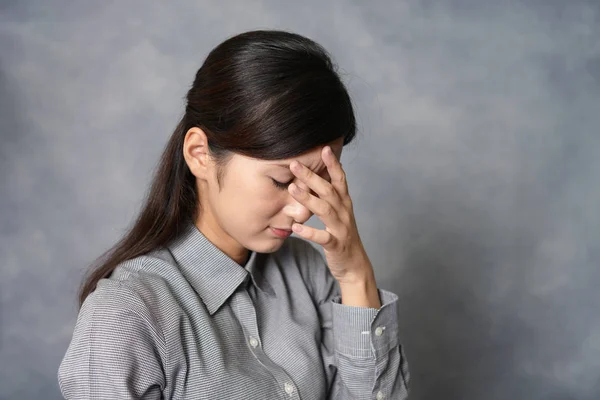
(344, 251)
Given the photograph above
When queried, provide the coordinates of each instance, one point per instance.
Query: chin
(267, 246)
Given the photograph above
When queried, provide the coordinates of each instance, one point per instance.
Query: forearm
(361, 292)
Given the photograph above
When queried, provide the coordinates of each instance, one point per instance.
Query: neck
(222, 240)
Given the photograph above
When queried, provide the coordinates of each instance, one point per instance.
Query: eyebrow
(325, 173)
(287, 166)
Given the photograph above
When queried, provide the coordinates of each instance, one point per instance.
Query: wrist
(360, 292)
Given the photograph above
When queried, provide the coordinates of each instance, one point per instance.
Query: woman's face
(253, 197)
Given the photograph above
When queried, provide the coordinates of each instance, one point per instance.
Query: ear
(197, 153)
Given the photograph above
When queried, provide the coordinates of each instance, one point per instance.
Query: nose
(302, 213)
(297, 211)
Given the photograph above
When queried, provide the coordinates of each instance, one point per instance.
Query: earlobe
(196, 152)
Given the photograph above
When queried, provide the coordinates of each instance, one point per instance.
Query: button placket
(243, 308)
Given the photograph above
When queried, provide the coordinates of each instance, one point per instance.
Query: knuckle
(345, 217)
(348, 202)
(329, 191)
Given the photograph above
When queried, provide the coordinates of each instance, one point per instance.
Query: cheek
(259, 200)
(269, 202)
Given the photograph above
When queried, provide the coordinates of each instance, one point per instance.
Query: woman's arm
(116, 351)
(361, 351)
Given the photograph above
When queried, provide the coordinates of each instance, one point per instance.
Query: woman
(206, 297)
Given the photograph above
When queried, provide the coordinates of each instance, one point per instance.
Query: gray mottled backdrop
(476, 177)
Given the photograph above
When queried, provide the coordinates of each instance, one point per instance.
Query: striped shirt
(187, 322)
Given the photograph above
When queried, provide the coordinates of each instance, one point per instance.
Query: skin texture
(238, 216)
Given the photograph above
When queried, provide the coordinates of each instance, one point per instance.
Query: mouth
(282, 233)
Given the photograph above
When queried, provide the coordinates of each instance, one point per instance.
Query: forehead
(312, 158)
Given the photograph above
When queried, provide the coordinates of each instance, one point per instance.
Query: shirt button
(253, 342)
(380, 395)
(379, 331)
(289, 388)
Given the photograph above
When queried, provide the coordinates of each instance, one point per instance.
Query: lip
(282, 233)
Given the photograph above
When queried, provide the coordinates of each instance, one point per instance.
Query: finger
(318, 236)
(335, 170)
(317, 184)
(319, 207)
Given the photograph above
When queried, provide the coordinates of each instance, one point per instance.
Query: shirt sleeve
(116, 351)
(362, 354)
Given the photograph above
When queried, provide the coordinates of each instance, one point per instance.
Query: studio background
(475, 176)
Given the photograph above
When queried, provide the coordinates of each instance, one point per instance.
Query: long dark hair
(266, 94)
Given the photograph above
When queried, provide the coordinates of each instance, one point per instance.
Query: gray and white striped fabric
(188, 322)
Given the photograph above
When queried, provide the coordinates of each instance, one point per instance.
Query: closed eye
(281, 185)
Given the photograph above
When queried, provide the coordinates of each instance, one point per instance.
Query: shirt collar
(213, 274)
